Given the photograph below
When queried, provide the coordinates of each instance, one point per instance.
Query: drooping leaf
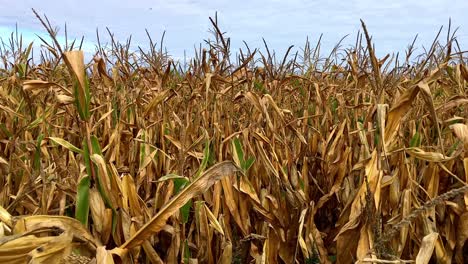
(196, 187)
(62, 142)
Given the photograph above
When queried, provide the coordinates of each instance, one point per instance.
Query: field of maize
(249, 158)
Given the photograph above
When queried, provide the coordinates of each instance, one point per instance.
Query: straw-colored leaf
(226, 256)
(104, 256)
(75, 63)
(232, 206)
(464, 72)
(157, 99)
(461, 132)
(98, 209)
(213, 221)
(397, 112)
(428, 156)
(31, 223)
(301, 241)
(427, 248)
(53, 251)
(32, 85)
(62, 142)
(205, 233)
(5, 217)
(64, 99)
(16, 250)
(454, 102)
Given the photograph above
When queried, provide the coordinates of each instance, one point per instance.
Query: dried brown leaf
(427, 248)
(32, 85)
(75, 64)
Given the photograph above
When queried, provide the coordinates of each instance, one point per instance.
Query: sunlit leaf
(62, 142)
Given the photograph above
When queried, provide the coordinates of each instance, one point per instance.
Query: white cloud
(393, 23)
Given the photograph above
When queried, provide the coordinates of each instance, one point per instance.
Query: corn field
(133, 157)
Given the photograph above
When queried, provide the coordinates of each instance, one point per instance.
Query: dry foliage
(135, 158)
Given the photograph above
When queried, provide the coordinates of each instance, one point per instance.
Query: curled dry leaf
(75, 63)
(31, 223)
(464, 72)
(427, 248)
(53, 251)
(64, 99)
(34, 85)
(35, 238)
(461, 132)
(428, 156)
(16, 249)
(6, 217)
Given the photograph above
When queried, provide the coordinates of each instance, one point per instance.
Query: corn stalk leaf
(62, 142)
(199, 185)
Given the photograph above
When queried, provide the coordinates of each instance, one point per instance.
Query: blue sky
(392, 23)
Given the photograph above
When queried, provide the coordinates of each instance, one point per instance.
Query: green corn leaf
(82, 194)
(415, 140)
(238, 151)
(179, 183)
(206, 158)
(248, 163)
(82, 201)
(185, 211)
(187, 254)
(5, 130)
